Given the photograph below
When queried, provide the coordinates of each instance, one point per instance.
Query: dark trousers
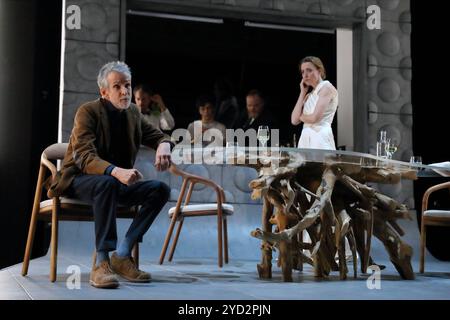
(106, 192)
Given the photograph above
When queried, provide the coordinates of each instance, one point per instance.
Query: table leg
(286, 260)
(265, 267)
(400, 252)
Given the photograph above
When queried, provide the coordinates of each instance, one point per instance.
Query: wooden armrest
(430, 191)
(49, 165)
(193, 179)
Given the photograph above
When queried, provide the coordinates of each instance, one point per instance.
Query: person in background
(316, 106)
(153, 108)
(227, 107)
(197, 129)
(256, 113)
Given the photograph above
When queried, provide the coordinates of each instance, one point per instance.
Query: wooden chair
(60, 208)
(431, 218)
(180, 212)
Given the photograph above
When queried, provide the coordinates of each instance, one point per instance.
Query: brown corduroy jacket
(90, 141)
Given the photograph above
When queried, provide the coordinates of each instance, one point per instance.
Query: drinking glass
(382, 145)
(263, 135)
(415, 160)
(391, 147)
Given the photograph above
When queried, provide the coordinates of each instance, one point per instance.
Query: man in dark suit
(256, 114)
(98, 168)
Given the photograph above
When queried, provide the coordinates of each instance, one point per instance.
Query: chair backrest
(55, 151)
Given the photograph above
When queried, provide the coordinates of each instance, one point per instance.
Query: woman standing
(315, 106)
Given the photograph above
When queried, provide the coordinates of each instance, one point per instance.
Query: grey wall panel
(389, 45)
(347, 8)
(72, 101)
(389, 91)
(391, 10)
(83, 60)
(99, 21)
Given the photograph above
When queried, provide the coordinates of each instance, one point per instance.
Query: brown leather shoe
(103, 277)
(126, 268)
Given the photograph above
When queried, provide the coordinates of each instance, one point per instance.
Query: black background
(182, 59)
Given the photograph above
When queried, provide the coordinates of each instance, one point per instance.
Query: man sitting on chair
(98, 168)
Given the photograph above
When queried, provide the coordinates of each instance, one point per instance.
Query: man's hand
(159, 101)
(126, 176)
(163, 157)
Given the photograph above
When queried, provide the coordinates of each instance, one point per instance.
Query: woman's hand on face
(303, 87)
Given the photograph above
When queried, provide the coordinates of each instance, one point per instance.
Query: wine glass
(391, 147)
(263, 135)
(414, 160)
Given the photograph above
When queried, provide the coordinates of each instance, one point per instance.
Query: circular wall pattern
(88, 66)
(229, 198)
(112, 37)
(391, 132)
(93, 16)
(360, 13)
(388, 90)
(405, 22)
(388, 4)
(388, 44)
(343, 2)
(112, 49)
(373, 112)
(70, 46)
(242, 177)
(406, 115)
(406, 155)
(406, 68)
(372, 66)
(198, 170)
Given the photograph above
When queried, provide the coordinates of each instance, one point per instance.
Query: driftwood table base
(332, 203)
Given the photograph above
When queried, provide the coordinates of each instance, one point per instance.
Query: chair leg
(300, 258)
(135, 254)
(167, 240)
(225, 239)
(219, 238)
(30, 240)
(175, 241)
(423, 239)
(54, 244)
(94, 259)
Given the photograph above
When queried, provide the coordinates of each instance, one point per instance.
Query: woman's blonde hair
(317, 63)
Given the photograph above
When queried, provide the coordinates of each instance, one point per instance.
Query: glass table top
(288, 156)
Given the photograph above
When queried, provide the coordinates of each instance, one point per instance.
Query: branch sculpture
(331, 201)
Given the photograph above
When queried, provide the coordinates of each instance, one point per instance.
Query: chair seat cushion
(437, 213)
(63, 200)
(226, 208)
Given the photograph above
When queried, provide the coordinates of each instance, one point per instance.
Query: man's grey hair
(117, 66)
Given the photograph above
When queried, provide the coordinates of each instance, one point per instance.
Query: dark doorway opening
(182, 59)
(29, 103)
(430, 113)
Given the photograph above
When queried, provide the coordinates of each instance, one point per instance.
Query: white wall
(344, 57)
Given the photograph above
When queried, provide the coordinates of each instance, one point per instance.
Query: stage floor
(202, 279)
